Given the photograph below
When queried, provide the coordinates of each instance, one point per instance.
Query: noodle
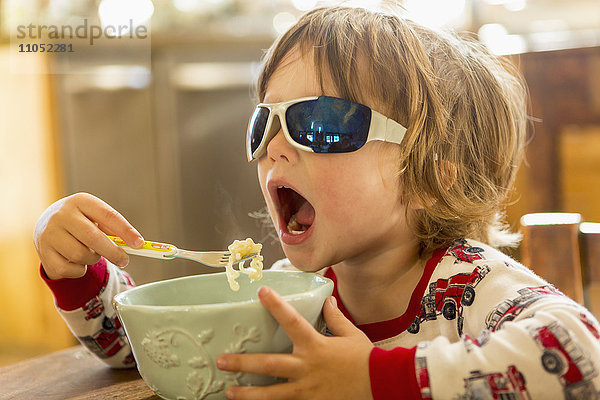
(240, 249)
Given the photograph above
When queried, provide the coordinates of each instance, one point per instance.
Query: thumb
(336, 321)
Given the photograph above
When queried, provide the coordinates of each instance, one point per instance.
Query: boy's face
(350, 203)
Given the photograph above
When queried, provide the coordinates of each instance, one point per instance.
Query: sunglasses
(319, 124)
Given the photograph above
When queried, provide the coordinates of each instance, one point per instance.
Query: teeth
(294, 227)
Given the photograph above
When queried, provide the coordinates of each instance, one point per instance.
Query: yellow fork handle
(149, 249)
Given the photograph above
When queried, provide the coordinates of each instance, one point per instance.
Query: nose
(279, 149)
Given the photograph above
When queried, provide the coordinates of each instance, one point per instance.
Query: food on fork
(240, 249)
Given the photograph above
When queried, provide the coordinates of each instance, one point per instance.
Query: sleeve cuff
(392, 374)
(71, 294)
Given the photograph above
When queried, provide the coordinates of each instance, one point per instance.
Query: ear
(448, 173)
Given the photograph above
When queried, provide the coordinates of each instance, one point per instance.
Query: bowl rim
(118, 304)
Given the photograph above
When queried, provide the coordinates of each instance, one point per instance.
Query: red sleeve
(71, 294)
(392, 374)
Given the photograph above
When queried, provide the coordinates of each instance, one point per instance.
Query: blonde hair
(464, 110)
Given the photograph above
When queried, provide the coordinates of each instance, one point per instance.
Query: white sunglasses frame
(381, 127)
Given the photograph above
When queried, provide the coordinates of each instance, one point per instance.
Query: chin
(306, 261)
(301, 262)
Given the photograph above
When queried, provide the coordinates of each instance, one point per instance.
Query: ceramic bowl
(177, 328)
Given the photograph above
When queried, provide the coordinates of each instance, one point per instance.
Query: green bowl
(177, 328)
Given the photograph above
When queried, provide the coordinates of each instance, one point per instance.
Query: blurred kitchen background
(161, 138)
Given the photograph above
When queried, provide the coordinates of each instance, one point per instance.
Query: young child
(385, 152)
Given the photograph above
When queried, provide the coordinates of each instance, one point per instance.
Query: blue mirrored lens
(256, 130)
(329, 124)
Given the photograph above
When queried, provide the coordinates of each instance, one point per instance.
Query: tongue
(306, 214)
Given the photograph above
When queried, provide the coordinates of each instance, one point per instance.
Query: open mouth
(297, 213)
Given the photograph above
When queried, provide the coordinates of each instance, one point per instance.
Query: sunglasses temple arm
(385, 129)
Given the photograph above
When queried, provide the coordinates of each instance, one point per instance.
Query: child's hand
(71, 234)
(319, 367)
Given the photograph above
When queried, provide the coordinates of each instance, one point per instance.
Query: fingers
(109, 220)
(74, 251)
(105, 229)
(281, 391)
(92, 237)
(58, 267)
(336, 321)
(277, 365)
(295, 325)
(73, 229)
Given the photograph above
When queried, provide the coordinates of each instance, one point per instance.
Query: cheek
(361, 186)
(355, 192)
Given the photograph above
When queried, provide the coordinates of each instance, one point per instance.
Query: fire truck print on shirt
(509, 309)
(563, 357)
(448, 296)
(109, 338)
(462, 251)
(509, 385)
(560, 356)
(479, 385)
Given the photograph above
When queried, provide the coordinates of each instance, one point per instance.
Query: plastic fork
(165, 251)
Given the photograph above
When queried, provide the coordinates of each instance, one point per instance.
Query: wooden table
(71, 374)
